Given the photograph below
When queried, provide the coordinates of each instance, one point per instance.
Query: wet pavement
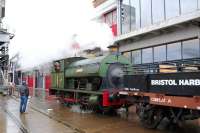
(98, 123)
(31, 122)
(7, 125)
(49, 115)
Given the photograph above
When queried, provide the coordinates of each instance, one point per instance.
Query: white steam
(44, 29)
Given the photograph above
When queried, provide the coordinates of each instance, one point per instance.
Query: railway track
(18, 123)
(78, 130)
(21, 127)
(99, 124)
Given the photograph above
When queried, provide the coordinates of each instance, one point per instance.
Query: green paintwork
(53, 80)
(79, 67)
(93, 67)
(65, 62)
(109, 60)
(57, 80)
(93, 99)
(60, 80)
(70, 83)
(68, 61)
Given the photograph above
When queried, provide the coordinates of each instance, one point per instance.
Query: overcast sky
(44, 28)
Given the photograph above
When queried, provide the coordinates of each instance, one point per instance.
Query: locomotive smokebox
(115, 75)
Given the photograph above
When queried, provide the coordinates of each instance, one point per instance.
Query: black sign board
(184, 83)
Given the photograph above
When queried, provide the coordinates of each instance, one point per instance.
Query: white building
(106, 12)
(155, 31)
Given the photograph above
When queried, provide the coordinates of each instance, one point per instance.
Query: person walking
(11, 88)
(24, 93)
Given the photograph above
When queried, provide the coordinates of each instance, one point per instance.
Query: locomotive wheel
(61, 100)
(150, 116)
(103, 110)
(61, 97)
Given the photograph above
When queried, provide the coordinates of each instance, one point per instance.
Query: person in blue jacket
(24, 93)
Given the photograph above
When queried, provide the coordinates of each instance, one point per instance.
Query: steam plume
(44, 29)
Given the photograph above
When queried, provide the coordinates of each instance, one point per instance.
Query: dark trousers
(23, 103)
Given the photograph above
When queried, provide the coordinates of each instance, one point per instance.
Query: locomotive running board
(163, 100)
(79, 91)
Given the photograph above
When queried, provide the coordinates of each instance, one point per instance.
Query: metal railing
(176, 66)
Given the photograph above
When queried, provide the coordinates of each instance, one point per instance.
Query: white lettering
(181, 82)
(190, 82)
(197, 82)
(153, 82)
(79, 70)
(163, 82)
(161, 100)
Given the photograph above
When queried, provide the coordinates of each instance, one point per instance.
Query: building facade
(153, 31)
(106, 12)
(156, 31)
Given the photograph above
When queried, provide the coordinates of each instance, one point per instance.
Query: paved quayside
(48, 115)
(97, 123)
(11, 121)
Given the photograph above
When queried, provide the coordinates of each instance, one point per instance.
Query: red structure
(30, 81)
(110, 18)
(47, 82)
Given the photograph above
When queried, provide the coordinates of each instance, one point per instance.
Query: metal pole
(13, 67)
(119, 17)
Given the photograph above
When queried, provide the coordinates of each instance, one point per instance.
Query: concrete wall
(174, 34)
(98, 2)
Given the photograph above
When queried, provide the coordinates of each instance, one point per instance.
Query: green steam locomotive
(93, 83)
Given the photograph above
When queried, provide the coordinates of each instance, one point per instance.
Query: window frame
(198, 44)
(143, 55)
(155, 50)
(142, 25)
(180, 42)
(140, 50)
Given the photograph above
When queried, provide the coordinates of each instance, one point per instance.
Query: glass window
(172, 8)
(109, 19)
(135, 14)
(174, 51)
(160, 53)
(145, 13)
(158, 10)
(147, 55)
(125, 16)
(115, 17)
(127, 54)
(191, 49)
(198, 4)
(188, 6)
(136, 57)
(102, 19)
